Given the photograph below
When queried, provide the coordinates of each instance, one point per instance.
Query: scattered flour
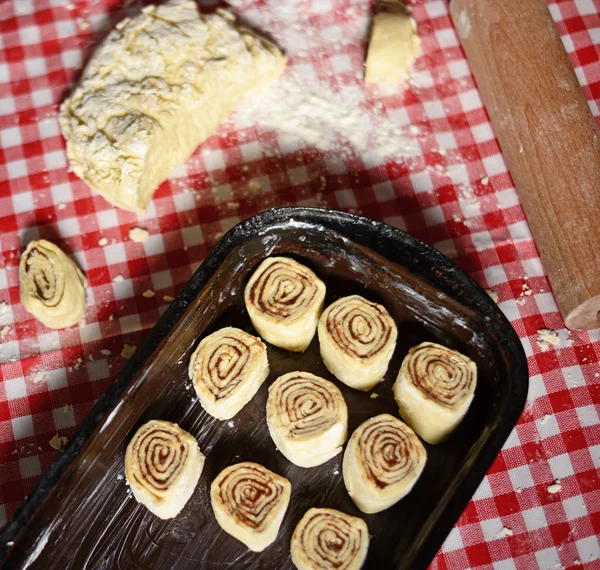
(555, 487)
(504, 532)
(138, 235)
(546, 338)
(39, 376)
(128, 351)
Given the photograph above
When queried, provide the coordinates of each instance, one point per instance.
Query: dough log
(227, 369)
(357, 339)
(326, 539)
(434, 389)
(307, 418)
(382, 462)
(393, 46)
(249, 503)
(52, 287)
(163, 464)
(284, 300)
(157, 87)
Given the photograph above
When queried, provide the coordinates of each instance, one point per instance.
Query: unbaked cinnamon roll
(162, 465)
(52, 286)
(284, 300)
(227, 369)
(357, 339)
(326, 539)
(307, 418)
(382, 462)
(434, 390)
(249, 503)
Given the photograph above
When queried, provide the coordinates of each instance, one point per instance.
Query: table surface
(448, 185)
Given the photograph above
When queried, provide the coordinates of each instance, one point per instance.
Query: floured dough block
(52, 287)
(357, 339)
(163, 464)
(326, 539)
(394, 44)
(249, 503)
(307, 418)
(157, 87)
(284, 300)
(382, 462)
(227, 369)
(434, 389)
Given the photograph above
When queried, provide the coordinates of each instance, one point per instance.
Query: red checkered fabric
(456, 195)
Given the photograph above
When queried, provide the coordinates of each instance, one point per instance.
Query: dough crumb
(138, 235)
(556, 487)
(546, 338)
(39, 376)
(4, 332)
(66, 409)
(493, 295)
(105, 352)
(128, 351)
(336, 472)
(545, 418)
(3, 307)
(61, 206)
(78, 364)
(518, 490)
(102, 242)
(58, 441)
(374, 395)
(485, 180)
(70, 6)
(111, 318)
(168, 298)
(255, 185)
(504, 532)
(148, 294)
(230, 424)
(118, 278)
(82, 23)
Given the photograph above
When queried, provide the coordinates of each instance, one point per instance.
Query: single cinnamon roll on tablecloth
(163, 464)
(382, 462)
(434, 390)
(249, 503)
(326, 539)
(227, 369)
(357, 339)
(284, 300)
(52, 286)
(307, 418)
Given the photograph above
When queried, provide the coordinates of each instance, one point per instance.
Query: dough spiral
(326, 539)
(307, 418)
(357, 340)
(52, 287)
(227, 369)
(383, 460)
(249, 502)
(162, 465)
(434, 389)
(284, 300)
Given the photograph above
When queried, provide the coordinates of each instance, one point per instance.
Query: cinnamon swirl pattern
(326, 539)
(284, 300)
(434, 389)
(163, 464)
(227, 369)
(307, 418)
(52, 287)
(382, 462)
(249, 503)
(357, 339)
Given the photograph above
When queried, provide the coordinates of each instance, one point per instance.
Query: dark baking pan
(82, 514)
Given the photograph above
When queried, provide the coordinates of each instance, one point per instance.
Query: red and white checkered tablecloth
(455, 194)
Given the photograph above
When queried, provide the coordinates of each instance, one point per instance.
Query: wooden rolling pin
(548, 136)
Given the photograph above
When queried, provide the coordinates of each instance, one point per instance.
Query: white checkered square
(22, 427)
(588, 549)
(535, 518)
(30, 467)
(64, 417)
(15, 388)
(560, 465)
(520, 477)
(35, 67)
(421, 182)
(98, 370)
(42, 97)
(69, 228)
(56, 379)
(10, 137)
(434, 216)
(17, 169)
(470, 100)
(586, 7)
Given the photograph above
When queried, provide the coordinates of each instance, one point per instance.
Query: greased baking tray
(82, 515)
